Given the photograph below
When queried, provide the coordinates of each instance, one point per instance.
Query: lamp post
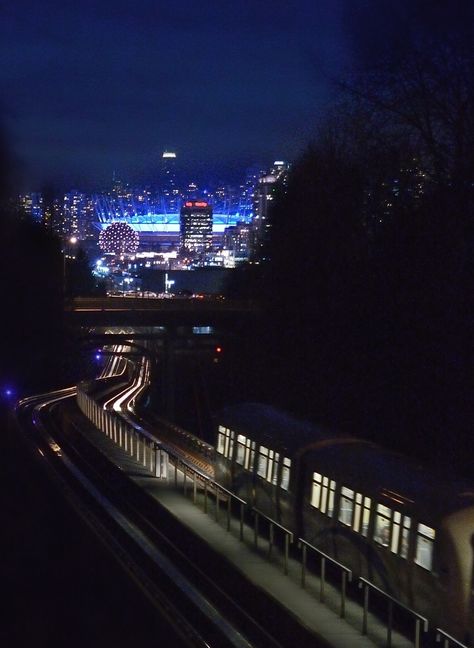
(168, 283)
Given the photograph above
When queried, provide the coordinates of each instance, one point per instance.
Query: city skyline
(236, 219)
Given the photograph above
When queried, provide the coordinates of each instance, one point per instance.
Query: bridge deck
(90, 311)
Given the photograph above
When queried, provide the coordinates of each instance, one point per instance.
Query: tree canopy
(369, 278)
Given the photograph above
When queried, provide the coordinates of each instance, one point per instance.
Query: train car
(375, 511)
(256, 450)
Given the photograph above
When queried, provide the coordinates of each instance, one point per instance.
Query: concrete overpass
(173, 312)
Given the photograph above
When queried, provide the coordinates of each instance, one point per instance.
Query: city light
(8, 392)
(125, 217)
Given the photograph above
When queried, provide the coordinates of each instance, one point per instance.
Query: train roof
(366, 467)
(394, 479)
(262, 422)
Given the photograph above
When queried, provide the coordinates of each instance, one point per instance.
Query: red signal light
(218, 349)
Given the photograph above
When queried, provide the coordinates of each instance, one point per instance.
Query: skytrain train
(377, 512)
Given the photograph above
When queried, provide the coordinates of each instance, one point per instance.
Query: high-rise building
(263, 196)
(74, 212)
(31, 204)
(238, 241)
(196, 227)
(168, 182)
(87, 222)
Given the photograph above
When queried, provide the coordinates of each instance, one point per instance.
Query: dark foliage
(79, 280)
(37, 350)
(369, 284)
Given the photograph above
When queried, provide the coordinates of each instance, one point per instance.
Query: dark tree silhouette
(37, 351)
(369, 281)
(79, 278)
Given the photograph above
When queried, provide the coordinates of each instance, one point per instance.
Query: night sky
(89, 87)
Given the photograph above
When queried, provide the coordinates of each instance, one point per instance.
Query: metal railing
(271, 540)
(135, 442)
(420, 621)
(209, 487)
(346, 573)
(442, 636)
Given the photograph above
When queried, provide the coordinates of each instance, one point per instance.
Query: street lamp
(168, 283)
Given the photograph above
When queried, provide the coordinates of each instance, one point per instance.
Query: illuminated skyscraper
(196, 227)
(74, 212)
(168, 182)
(238, 241)
(263, 196)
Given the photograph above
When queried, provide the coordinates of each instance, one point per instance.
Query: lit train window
(405, 536)
(229, 444)
(285, 473)
(249, 455)
(241, 447)
(273, 474)
(322, 493)
(357, 512)
(424, 546)
(225, 441)
(220, 440)
(346, 506)
(262, 462)
(245, 451)
(361, 514)
(268, 464)
(316, 490)
(240, 456)
(382, 525)
(332, 493)
(366, 516)
(400, 534)
(395, 532)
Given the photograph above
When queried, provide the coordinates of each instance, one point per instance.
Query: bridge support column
(169, 373)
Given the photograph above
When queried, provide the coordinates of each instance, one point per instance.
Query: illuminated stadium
(161, 230)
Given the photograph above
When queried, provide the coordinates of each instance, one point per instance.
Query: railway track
(174, 569)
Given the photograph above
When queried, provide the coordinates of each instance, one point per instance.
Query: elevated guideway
(245, 546)
(186, 470)
(237, 552)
